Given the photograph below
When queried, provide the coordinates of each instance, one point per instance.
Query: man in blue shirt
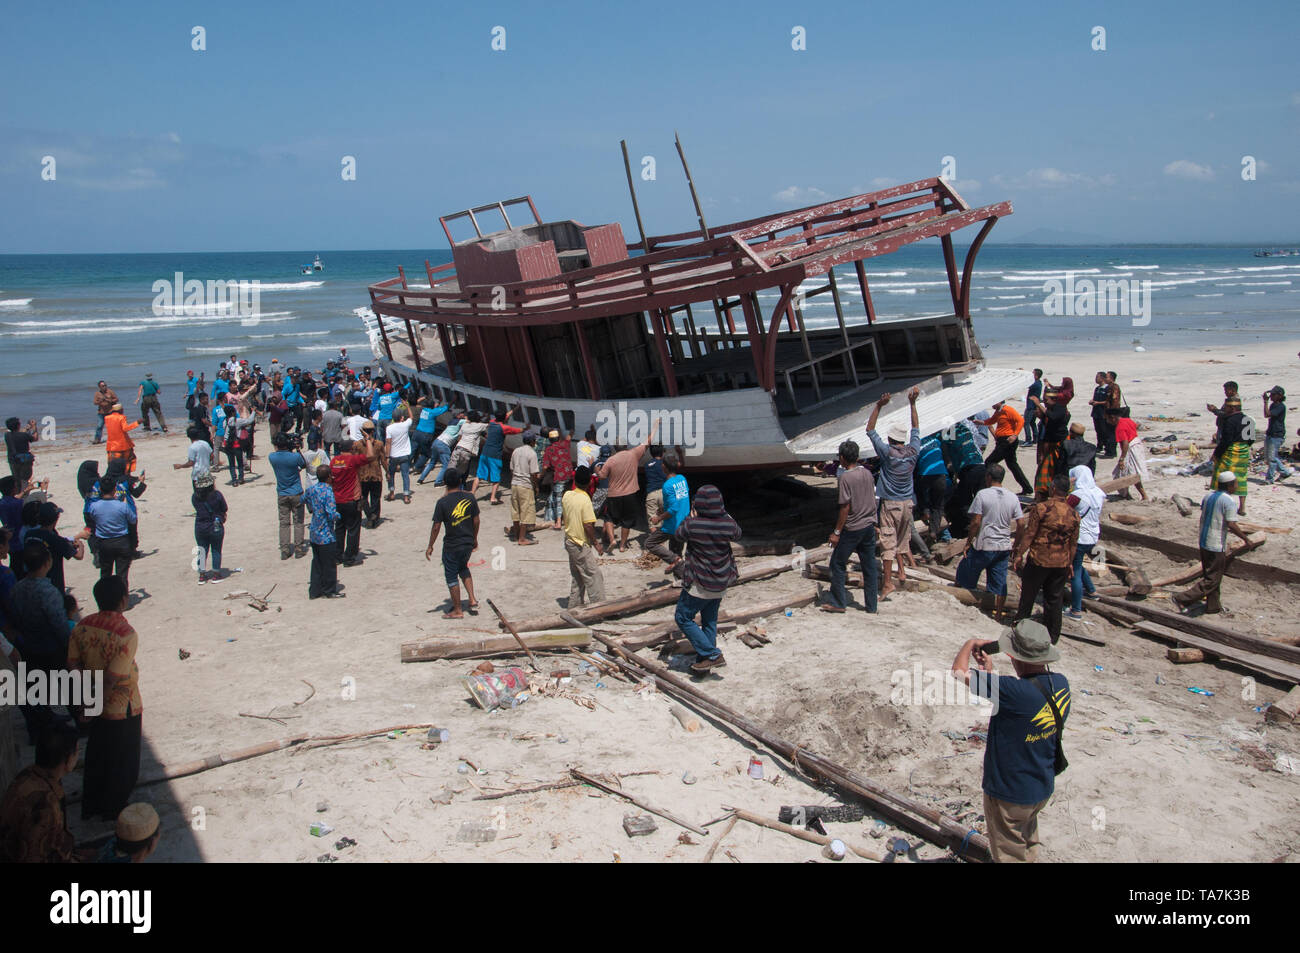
(324, 580)
(293, 397)
(382, 404)
(422, 433)
(894, 487)
(113, 520)
(931, 482)
(676, 496)
(287, 464)
(1029, 712)
(1218, 509)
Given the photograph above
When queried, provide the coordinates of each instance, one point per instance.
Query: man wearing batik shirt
(1044, 554)
(105, 642)
(33, 825)
(319, 498)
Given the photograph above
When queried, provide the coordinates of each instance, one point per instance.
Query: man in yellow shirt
(581, 542)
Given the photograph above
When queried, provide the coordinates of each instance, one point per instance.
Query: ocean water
(67, 321)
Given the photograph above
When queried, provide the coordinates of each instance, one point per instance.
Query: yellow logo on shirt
(1044, 720)
(459, 512)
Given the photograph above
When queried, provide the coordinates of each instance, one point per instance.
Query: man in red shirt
(347, 499)
(1007, 425)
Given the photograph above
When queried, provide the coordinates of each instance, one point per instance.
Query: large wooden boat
(575, 326)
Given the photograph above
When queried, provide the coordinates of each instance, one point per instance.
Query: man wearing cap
(894, 489)
(104, 401)
(1275, 435)
(60, 547)
(1007, 424)
(1029, 713)
(1079, 452)
(1044, 554)
(135, 836)
(120, 446)
(1218, 507)
(147, 397)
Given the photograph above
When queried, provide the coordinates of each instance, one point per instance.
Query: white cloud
(1050, 177)
(1295, 99)
(797, 193)
(174, 137)
(1187, 169)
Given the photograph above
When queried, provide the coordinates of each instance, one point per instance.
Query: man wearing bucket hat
(1218, 509)
(1023, 754)
(147, 397)
(894, 487)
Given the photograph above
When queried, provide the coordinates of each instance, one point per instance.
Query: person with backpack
(1043, 554)
(210, 512)
(1024, 753)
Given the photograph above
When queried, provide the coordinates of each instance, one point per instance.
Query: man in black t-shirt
(458, 511)
(60, 547)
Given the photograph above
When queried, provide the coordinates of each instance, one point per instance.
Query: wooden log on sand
(1238, 568)
(653, 634)
(667, 595)
(1114, 486)
(1130, 520)
(685, 719)
(1216, 634)
(1183, 656)
(1187, 575)
(1285, 710)
(811, 836)
(428, 650)
(1212, 651)
(922, 819)
(1125, 565)
(168, 772)
(1185, 506)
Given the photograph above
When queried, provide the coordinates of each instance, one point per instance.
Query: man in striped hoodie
(710, 569)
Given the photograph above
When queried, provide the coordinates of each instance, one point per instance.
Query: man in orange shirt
(1007, 425)
(120, 446)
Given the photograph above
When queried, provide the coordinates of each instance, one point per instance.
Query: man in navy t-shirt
(1020, 759)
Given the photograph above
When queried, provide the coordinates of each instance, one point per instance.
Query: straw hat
(117, 407)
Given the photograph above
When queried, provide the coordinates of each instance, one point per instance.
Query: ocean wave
(1026, 274)
(289, 285)
(900, 291)
(1256, 292)
(1266, 267)
(1009, 297)
(15, 303)
(1217, 294)
(1140, 267)
(171, 321)
(359, 348)
(1263, 284)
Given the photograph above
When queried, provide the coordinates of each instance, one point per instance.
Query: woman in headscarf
(710, 569)
(1132, 456)
(1065, 392)
(1087, 500)
(1232, 452)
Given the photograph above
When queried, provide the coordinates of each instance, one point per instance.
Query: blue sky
(239, 147)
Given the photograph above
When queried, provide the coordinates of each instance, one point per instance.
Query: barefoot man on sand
(458, 511)
(894, 489)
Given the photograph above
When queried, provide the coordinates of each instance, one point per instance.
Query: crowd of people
(338, 436)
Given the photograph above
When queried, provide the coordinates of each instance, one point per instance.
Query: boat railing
(606, 287)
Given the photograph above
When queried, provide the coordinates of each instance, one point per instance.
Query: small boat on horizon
(1277, 252)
